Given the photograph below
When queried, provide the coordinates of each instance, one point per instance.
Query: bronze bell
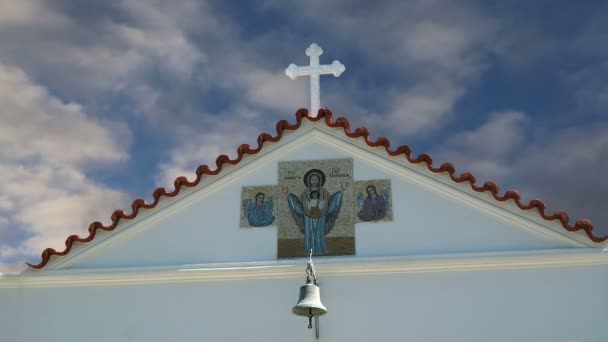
(309, 304)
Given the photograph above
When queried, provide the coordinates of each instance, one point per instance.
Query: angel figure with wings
(374, 206)
(316, 211)
(259, 214)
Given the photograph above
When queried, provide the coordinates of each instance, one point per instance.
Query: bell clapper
(309, 318)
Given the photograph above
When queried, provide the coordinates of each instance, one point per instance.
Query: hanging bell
(309, 304)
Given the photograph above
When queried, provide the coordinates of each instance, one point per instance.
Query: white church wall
(536, 305)
(11, 314)
(426, 221)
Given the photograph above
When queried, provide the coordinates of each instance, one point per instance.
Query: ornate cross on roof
(314, 70)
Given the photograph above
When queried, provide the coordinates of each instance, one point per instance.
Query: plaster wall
(535, 305)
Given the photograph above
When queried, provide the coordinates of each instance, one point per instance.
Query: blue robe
(258, 215)
(373, 209)
(315, 229)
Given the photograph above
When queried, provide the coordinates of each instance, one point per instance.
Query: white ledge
(292, 268)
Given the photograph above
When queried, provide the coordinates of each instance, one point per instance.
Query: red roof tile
(284, 125)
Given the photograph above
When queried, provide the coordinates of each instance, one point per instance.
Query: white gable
(432, 214)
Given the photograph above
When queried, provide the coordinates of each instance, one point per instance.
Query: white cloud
(426, 106)
(159, 44)
(455, 47)
(202, 148)
(499, 136)
(45, 145)
(273, 90)
(86, 59)
(39, 126)
(488, 149)
(589, 86)
(26, 12)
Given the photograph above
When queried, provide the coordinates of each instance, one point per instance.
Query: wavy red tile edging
(284, 125)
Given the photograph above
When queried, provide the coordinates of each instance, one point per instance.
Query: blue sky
(101, 102)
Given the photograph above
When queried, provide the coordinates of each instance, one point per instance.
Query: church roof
(362, 132)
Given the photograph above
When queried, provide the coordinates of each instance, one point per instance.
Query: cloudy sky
(101, 102)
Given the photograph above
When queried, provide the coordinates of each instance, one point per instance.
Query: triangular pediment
(430, 213)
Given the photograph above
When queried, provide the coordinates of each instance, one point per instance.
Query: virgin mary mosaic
(316, 208)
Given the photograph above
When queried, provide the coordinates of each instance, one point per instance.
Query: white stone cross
(314, 70)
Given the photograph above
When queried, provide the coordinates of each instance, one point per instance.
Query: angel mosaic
(374, 206)
(259, 213)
